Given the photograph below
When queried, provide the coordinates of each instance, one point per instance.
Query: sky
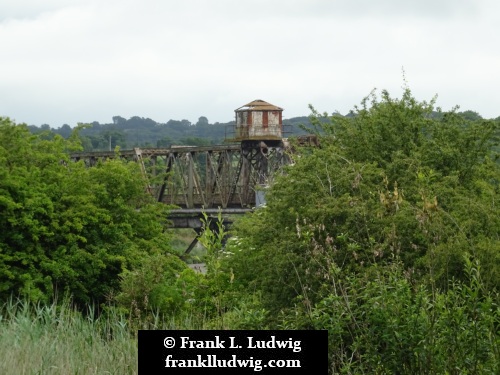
(79, 61)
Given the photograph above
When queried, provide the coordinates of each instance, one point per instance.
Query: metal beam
(191, 177)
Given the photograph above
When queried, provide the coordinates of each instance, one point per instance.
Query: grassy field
(58, 340)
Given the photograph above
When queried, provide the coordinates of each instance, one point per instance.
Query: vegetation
(389, 184)
(66, 228)
(387, 236)
(56, 339)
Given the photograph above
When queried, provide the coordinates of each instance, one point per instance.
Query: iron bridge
(228, 178)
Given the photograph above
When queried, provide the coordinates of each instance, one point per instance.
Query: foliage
(391, 183)
(216, 297)
(213, 298)
(378, 236)
(161, 287)
(383, 323)
(66, 228)
(162, 294)
(153, 286)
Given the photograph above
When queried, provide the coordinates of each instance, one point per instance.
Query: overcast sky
(71, 61)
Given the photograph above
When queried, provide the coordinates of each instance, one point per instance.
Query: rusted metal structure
(225, 176)
(256, 121)
(230, 177)
(191, 177)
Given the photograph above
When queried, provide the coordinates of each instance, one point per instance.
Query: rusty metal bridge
(230, 178)
(192, 177)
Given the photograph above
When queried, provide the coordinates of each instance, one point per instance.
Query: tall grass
(56, 339)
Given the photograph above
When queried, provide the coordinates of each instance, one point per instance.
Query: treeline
(144, 132)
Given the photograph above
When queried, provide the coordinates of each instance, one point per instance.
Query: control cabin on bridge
(258, 121)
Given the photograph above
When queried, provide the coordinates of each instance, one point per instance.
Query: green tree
(470, 115)
(68, 228)
(202, 121)
(112, 138)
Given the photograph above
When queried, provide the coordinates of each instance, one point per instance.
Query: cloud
(31, 9)
(79, 61)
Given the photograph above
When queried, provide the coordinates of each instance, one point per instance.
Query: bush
(383, 323)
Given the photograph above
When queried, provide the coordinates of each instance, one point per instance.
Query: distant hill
(145, 132)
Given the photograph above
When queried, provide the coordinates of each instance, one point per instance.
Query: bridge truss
(191, 177)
